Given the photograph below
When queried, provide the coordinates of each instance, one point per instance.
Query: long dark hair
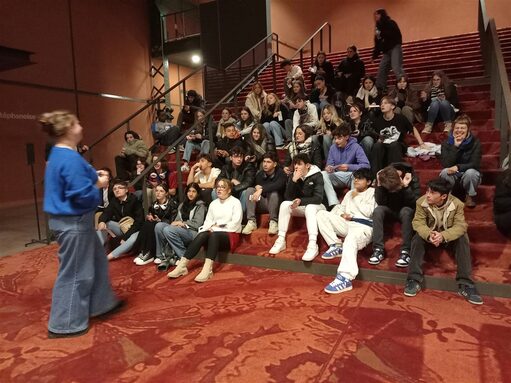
(134, 134)
(188, 205)
(250, 116)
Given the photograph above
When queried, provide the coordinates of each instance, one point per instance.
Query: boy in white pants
(351, 219)
(303, 197)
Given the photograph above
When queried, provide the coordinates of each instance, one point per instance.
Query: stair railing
(495, 69)
(310, 43)
(156, 100)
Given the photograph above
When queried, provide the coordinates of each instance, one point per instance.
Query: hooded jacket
(352, 65)
(197, 215)
(466, 156)
(454, 224)
(309, 189)
(406, 197)
(352, 154)
(387, 36)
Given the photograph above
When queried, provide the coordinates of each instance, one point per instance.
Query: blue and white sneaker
(339, 285)
(333, 251)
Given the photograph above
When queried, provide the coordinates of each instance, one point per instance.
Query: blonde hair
(56, 123)
(336, 120)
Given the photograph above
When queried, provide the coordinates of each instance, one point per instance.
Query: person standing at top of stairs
(387, 40)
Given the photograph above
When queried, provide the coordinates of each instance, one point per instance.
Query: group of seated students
(344, 135)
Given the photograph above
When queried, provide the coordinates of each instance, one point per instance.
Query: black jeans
(146, 240)
(385, 154)
(461, 248)
(125, 165)
(213, 240)
(405, 216)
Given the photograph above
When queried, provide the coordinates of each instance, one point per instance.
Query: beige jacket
(453, 220)
(255, 104)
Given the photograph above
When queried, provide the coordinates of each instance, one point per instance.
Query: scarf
(364, 94)
(259, 148)
(304, 147)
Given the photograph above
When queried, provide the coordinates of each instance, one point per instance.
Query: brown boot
(469, 202)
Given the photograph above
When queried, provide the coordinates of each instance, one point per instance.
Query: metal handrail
(274, 37)
(149, 103)
(314, 35)
(495, 68)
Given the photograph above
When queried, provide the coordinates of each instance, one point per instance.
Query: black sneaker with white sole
(471, 294)
(404, 259)
(412, 288)
(377, 257)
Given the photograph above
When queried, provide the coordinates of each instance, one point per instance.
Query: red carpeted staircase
(460, 58)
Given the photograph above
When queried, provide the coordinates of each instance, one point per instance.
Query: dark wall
(229, 28)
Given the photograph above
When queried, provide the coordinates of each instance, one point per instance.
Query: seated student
(303, 197)
(266, 195)
(440, 221)
(391, 129)
(328, 123)
(255, 100)
(226, 119)
(225, 145)
(193, 102)
(107, 194)
(362, 128)
(164, 209)
(240, 173)
(221, 231)
(124, 205)
(133, 149)
(256, 144)
(198, 138)
(461, 159)
(303, 144)
(407, 101)
(305, 114)
(322, 93)
(502, 203)
(351, 219)
(293, 73)
(163, 131)
(139, 185)
(439, 101)
(297, 88)
(246, 122)
(344, 157)
(157, 176)
(204, 174)
(349, 72)
(181, 232)
(369, 97)
(397, 189)
(273, 118)
(322, 67)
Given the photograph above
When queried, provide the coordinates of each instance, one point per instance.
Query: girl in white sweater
(221, 231)
(351, 219)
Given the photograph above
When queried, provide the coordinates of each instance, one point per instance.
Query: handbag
(125, 224)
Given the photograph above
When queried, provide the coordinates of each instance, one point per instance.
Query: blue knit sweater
(69, 184)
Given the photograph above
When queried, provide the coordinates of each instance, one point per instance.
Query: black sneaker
(471, 294)
(412, 288)
(377, 257)
(404, 259)
(144, 259)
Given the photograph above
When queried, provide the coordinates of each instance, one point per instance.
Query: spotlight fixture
(196, 59)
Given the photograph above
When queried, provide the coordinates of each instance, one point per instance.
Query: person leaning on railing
(134, 148)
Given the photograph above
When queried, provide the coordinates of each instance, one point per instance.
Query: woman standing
(221, 231)
(82, 288)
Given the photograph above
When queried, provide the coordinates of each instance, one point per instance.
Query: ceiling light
(196, 59)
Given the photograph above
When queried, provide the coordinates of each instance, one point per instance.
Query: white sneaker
(278, 246)
(311, 252)
(140, 255)
(274, 228)
(249, 227)
(185, 168)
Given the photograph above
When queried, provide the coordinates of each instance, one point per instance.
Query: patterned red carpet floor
(250, 325)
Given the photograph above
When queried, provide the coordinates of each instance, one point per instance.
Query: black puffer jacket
(353, 65)
(466, 156)
(245, 174)
(310, 189)
(405, 197)
(387, 36)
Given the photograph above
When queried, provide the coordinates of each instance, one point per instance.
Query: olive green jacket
(136, 147)
(454, 224)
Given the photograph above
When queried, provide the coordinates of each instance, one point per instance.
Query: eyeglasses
(221, 186)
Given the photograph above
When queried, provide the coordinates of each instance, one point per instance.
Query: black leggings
(146, 240)
(213, 240)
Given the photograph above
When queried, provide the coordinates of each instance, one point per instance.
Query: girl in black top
(257, 144)
(322, 67)
(349, 72)
(164, 209)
